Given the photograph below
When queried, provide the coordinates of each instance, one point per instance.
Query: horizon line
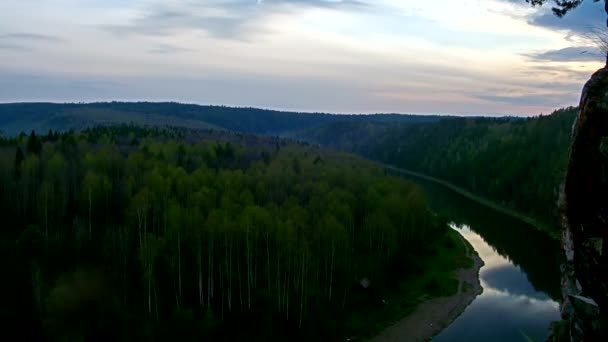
(471, 115)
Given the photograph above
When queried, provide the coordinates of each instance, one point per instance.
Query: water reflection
(520, 278)
(534, 254)
(511, 280)
(509, 309)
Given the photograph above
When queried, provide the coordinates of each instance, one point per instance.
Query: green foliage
(178, 237)
(81, 305)
(428, 276)
(519, 163)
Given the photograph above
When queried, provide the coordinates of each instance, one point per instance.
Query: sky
(489, 57)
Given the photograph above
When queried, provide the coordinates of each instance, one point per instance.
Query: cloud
(31, 37)
(13, 47)
(311, 55)
(569, 54)
(27, 86)
(318, 3)
(552, 72)
(539, 95)
(522, 100)
(23, 41)
(167, 49)
(509, 279)
(543, 86)
(238, 19)
(585, 20)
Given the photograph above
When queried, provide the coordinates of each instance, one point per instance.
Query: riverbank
(432, 316)
(481, 200)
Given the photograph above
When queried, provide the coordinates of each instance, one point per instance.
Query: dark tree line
(15, 117)
(126, 232)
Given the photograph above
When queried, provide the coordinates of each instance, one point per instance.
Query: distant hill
(24, 117)
(518, 162)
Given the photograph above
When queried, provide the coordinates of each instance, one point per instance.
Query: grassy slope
(435, 278)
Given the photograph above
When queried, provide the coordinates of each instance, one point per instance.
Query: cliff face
(584, 211)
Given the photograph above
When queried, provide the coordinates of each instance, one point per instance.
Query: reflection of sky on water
(509, 309)
(511, 280)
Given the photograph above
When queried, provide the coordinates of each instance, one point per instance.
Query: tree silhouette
(34, 145)
(19, 157)
(562, 7)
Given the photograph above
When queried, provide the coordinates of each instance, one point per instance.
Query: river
(520, 278)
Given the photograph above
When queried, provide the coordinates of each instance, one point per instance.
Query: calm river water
(520, 278)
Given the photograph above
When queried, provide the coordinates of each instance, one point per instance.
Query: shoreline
(432, 316)
(533, 222)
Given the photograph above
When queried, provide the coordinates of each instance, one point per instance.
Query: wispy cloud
(569, 54)
(522, 100)
(239, 19)
(13, 47)
(311, 55)
(585, 20)
(168, 49)
(27, 86)
(30, 37)
(25, 41)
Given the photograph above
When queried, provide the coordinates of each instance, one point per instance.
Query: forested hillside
(517, 162)
(123, 233)
(18, 117)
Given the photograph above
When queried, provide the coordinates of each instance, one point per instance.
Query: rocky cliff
(584, 211)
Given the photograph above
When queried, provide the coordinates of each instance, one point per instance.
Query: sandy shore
(432, 316)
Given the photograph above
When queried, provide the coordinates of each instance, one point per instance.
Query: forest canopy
(124, 232)
(519, 163)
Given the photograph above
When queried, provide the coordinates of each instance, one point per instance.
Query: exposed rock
(584, 207)
(585, 306)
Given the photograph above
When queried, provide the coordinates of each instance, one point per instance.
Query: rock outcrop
(584, 217)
